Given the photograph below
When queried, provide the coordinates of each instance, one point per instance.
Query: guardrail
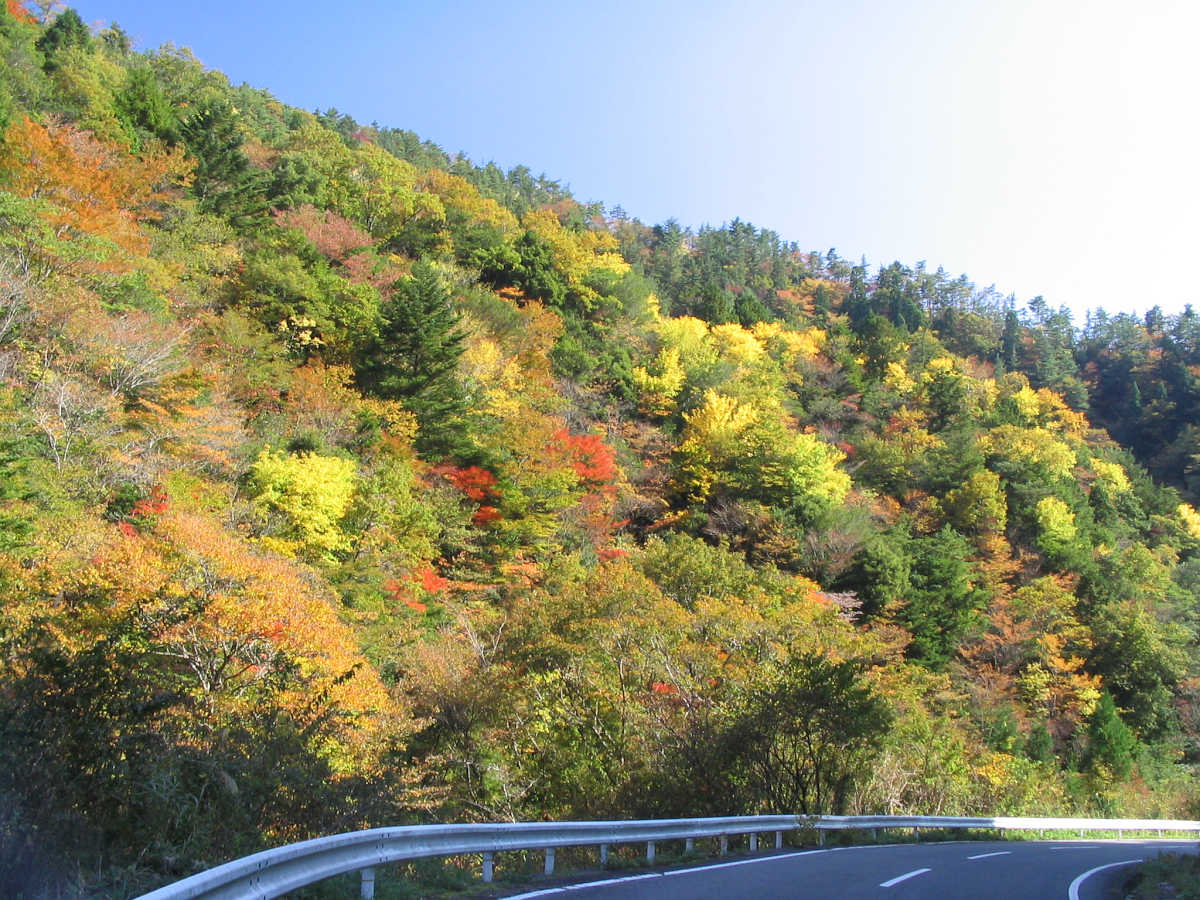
(275, 872)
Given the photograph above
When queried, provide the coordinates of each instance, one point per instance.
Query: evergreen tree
(414, 359)
(225, 182)
(67, 30)
(1011, 339)
(1110, 742)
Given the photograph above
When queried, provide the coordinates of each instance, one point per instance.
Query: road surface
(971, 870)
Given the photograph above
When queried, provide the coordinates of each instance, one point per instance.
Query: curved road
(972, 870)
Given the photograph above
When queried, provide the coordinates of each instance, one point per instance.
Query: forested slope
(344, 482)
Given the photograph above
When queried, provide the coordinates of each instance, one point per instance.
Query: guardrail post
(488, 865)
(549, 860)
(779, 840)
(1120, 834)
(650, 852)
(604, 854)
(724, 844)
(367, 888)
(689, 845)
(753, 841)
(820, 838)
(875, 835)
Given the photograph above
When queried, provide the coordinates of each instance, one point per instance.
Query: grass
(1172, 875)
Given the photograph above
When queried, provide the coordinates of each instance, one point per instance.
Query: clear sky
(1043, 146)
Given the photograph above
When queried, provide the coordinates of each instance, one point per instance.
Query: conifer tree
(415, 357)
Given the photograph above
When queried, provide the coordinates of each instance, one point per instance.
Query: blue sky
(1043, 146)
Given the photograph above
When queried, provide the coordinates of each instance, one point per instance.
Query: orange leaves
(250, 596)
(17, 10)
(86, 189)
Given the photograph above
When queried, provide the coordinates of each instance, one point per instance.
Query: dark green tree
(67, 30)
(1110, 741)
(225, 183)
(144, 108)
(414, 359)
(943, 603)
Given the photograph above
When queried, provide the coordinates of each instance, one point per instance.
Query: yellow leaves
(576, 253)
(736, 342)
(907, 430)
(690, 337)
(896, 379)
(1112, 476)
(735, 442)
(1026, 402)
(1189, 518)
(463, 200)
(499, 377)
(660, 388)
(996, 769)
(788, 346)
(718, 423)
(312, 493)
(1034, 445)
(1056, 524)
(979, 505)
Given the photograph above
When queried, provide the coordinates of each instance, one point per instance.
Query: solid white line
(986, 855)
(1073, 890)
(907, 875)
(1077, 847)
(547, 892)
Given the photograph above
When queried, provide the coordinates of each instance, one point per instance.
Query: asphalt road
(972, 870)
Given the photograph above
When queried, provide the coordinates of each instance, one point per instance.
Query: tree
(66, 31)
(943, 603)
(415, 358)
(225, 182)
(1110, 741)
(802, 738)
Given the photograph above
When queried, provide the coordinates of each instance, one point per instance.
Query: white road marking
(986, 855)
(1073, 890)
(548, 892)
(907, 875)
(1077, 847)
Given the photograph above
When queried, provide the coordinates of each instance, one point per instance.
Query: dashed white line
(986, 855)
(907, 875)
(1073, 890)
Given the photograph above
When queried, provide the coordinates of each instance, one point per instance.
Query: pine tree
(414, 359)
(1110, 741)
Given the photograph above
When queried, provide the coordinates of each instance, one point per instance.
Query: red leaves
(154, 504)
(334, 236)
(593, 460)
(477, 483)
(485, 514)
(430, 580)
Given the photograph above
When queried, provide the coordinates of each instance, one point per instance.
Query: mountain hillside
(344, 482)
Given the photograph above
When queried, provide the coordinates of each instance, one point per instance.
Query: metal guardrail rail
(275, 872)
